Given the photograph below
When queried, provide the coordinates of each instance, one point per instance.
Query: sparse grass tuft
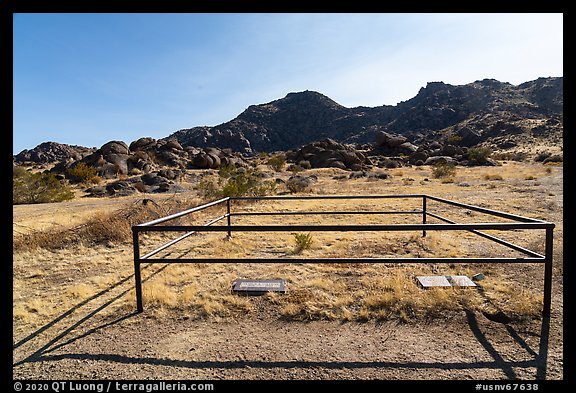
(493, 176)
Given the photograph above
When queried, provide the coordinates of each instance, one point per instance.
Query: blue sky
(85, 79)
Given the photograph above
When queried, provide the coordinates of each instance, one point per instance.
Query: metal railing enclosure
(515, 222)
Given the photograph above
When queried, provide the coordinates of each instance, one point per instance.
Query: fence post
(548, 272)
(229, 219)
(424, 214)
(137, 275)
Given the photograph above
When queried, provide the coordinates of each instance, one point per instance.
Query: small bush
(556, 158)
(454, 139)
(299, 184)
(233, 182)
(102, 228)
(294, 168)
(542, 156)
(277, 162)
(510, 156)
(479, 154)
(227, 171)
(442, 170)
(42, 187)
(303, 242)
(493, 177)
(83, 173)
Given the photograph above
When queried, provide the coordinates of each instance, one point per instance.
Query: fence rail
(519, 222)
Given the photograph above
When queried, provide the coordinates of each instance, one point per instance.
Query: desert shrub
(227, 171)
(115, 226)
(295, 168)
(83, 173)
(299, 183)
(479, 154)
(41, 187)
(277, 162)
(443, 170)
(234, 182)
(305, 164)
(454, 139)
(556, 158)
(510, 156)
(303, 242)
(495, 176)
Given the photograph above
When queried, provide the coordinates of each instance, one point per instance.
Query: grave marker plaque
(445, 281)
(258, 287)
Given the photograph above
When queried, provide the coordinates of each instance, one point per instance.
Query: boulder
(469, 136)
(120, 160)
(144, 143)
(440, 159)
(300, 183)
(328, 153)
(117, 147)
(407, 148)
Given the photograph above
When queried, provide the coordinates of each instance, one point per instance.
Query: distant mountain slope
(438, 109)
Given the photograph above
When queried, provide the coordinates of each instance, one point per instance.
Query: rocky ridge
(442, 123)
(488, 111)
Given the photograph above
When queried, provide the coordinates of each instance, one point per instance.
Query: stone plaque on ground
(258, 287)
(445, 281)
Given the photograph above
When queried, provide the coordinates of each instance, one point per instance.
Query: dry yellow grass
(49, 281)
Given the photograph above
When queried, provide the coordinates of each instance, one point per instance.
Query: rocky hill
(442, 123)
(49, 152)
(490, 113)
(482, 111)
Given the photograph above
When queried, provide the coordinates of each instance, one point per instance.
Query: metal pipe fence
(515, 222)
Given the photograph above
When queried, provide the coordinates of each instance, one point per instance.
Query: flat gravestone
(445, 281)
(258, 287)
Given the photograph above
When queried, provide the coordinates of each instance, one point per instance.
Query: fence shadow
(498, 362)
(54, 343)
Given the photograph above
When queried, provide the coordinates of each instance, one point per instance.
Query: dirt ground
(95, 339)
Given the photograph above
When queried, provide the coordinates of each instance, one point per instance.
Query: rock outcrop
(50, 152)
(328, 153)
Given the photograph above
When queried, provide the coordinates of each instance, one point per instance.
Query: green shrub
(295, 168)
(443, 170)
(303, 242)
(227, 171)
(41, 187)
(479, 154)
(83, 173)
(233, 182)
(277, 162)
(454, 139)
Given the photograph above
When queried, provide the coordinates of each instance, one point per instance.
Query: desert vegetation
(345, 292)
(236, 182)
(38, 187)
